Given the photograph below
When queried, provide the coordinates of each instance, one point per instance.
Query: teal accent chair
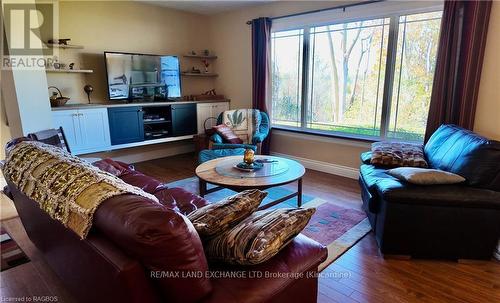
(216, 141)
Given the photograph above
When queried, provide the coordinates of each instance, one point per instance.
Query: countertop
(123, 104)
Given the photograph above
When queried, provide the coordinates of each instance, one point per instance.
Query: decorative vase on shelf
(206, 63)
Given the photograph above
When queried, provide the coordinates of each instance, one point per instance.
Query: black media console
(139, 123)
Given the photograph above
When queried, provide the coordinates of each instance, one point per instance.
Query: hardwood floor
(359, 275)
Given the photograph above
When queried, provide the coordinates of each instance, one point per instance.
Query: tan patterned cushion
(396, 154)
(259, 237)
(218, 217)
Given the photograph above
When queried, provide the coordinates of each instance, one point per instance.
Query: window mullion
(305, 79)
(390, 67)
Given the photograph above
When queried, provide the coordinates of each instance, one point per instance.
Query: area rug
(12, 255)
(7, 208)
(336, 227)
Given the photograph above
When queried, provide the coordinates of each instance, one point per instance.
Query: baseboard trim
(326, 167)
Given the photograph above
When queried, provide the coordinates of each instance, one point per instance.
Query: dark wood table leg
(203, 187)
(299, 193)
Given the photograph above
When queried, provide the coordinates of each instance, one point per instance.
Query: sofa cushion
(467, 154)
(113, 167)
(439, 195)
(129, 175)
(177, 198)
(163, 240)
(218, 217)
(425, 176)
(384, 186)
(259, 237)
(180, 199)
(394, 154)
(301, 255)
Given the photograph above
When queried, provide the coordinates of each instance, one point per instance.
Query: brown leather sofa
(137, 246)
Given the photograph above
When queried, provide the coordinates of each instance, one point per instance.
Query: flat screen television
(142, 77)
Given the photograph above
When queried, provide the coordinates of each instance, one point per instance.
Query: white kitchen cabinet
(86, 130)
(207, 110)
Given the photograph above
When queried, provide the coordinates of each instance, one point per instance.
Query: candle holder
(249, 156)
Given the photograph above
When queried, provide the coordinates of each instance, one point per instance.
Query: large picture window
(368, 78)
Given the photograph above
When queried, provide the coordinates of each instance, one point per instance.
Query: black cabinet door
(183, 119)
(126, 124)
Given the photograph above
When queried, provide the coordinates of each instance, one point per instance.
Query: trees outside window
(332, 78)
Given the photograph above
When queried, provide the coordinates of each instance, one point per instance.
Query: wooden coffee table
(221, 173)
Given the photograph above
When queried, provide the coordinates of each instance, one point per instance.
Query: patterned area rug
(7, 208)
(12, 254)
(336, 227)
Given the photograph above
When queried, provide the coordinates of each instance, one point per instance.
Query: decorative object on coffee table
(249, 156)
(276, 171)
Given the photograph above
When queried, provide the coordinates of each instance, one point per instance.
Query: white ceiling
(207, 7)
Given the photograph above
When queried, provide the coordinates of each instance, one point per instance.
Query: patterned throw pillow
(217, 217)
(227, 134)
(396, 154)
(243, 122)
(259, 237)
(425, 176)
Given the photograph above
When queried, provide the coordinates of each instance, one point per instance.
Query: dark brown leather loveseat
(459, 221)
(139, 250)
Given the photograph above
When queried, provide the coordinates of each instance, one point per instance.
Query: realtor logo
(24, 26)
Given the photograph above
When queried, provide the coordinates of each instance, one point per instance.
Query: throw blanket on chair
(66, 187)
(243, 122)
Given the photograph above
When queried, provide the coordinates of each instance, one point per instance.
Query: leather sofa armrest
(130, 273)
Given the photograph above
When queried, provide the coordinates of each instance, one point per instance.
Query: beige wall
(128, 27)
(5, 135)
(487, 121)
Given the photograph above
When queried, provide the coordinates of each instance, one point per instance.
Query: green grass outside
(401, 134)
